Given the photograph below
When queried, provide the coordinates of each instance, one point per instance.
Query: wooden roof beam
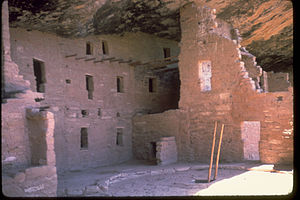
(70, 55)
(89, 59)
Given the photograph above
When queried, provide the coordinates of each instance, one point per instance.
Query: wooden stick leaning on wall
(212, 152)
(218, 155)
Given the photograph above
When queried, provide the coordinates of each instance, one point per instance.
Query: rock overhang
(266, 26)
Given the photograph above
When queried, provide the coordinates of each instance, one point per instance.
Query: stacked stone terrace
(112, 98)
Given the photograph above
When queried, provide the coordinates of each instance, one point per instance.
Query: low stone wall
(149, 129)
(32, 182)
(166, 151)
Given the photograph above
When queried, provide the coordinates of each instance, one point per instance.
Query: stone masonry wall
(40, 179)
(109, 111)
(14, 138)
(19, 177)
(278, 81)
(217, 86)
(274, 110)
(166, 151)
(150, 128)
(202, 41)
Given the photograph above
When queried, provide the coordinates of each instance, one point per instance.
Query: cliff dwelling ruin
(90, 84)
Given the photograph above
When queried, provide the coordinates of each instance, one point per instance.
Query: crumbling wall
(209, 67)
(220, 81)
(17, 96)
(200, 44)
(19, 178)
(109, 111)
(40, 177)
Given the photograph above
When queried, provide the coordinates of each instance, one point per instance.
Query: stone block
(12, 190)
(42, 171)
(181, 169)
(34, 188)
(74, 192)
(92, 189)
(19, 177)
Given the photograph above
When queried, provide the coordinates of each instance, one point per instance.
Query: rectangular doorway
(251, 136)
(40, 75)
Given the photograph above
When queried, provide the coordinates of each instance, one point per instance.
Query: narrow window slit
(83, 138)
(167, 53)
(104, 47)
(89, 48)
(119, 139)
(152, 85)
(120, 84)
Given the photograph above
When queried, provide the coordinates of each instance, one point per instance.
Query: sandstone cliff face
(265, 25)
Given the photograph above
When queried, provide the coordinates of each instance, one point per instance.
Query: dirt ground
(137, 178)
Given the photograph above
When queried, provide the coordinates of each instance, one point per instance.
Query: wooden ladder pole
(218, 155)
(212, 152)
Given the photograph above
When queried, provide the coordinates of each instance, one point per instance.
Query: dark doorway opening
(153, 153)
(89, 86)
(152, 85)
(83, 138)
(89, 48)
(167, 53)
(104, 47)
(40, 75)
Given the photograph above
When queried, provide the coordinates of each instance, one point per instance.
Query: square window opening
(84, 113)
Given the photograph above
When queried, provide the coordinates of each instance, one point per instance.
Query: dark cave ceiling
(265, 25)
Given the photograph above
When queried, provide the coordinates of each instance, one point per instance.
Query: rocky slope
(265, 25)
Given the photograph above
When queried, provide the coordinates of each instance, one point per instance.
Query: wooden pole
(218, 155)
(212, 152)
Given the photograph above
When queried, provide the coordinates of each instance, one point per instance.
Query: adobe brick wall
(200, 42)
(198, 110)
(14, 137)
(166, 151)
(19, 178)
(274, 110)
(39, 178)
(67, 100)
(235, 97)
(150, 128)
